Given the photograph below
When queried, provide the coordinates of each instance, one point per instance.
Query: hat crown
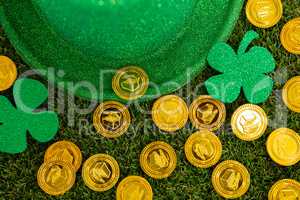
(120, 29)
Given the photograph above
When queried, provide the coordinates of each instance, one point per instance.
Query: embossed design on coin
(111, 119)
(207, 113)
(249, 125)
(100, 172)
(158, 160)
(203, 149)
(231, 179)
(56, 177)
(249, 122)
(130, 83)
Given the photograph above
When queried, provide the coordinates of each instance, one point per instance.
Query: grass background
(18, 172)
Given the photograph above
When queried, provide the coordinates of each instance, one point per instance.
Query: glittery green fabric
(15, 122)
(90, 39)
(245, 70)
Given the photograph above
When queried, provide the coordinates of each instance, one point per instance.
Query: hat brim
(169, 68)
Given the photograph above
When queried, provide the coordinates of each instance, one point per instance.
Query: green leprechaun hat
(89, 39)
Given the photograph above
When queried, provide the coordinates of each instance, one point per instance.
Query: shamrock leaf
(29, 94)
(223, 61)
(227, 91)
(15, 122)
(244, 70)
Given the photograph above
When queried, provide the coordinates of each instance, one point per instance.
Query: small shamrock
(244, 70)
(15, 122)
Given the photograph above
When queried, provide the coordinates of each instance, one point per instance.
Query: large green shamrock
(244, 70)
(15, 122)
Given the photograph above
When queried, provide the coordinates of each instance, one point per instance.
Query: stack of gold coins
(100, 172)
(58, 172)
(111, 119)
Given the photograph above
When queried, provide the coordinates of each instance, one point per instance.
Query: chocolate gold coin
(130, 83)
(158, 160)
(286, 189)
(66, 151)
(291, 94)
(8, 73)
(56, 177)
(170, 113)
(231, 179)
(207, 113)
(111, 119)
(283, 146)
(100, 172)
(249, 122)
(203, 149)
(290, 36)
(264, 13)
(134, 188)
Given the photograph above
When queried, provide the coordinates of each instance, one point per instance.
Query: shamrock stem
(248, 38)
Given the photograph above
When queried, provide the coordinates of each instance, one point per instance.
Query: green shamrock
(244, 70)
(15, 122)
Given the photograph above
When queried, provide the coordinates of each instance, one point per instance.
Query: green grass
(18, 172)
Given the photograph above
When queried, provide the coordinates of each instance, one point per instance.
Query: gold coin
(203, 149)
(111, 119)
(66, 151)
(249, 122)
(290, 36)
(100, 172)
(170, 113)
(158, 160)
(286, 189)
(283, 146)
(56, 177)
(207, 113)
(130, 83)
(291, 94)
(8, 73)
(231, 179)
(134, 188)
(264, 13)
